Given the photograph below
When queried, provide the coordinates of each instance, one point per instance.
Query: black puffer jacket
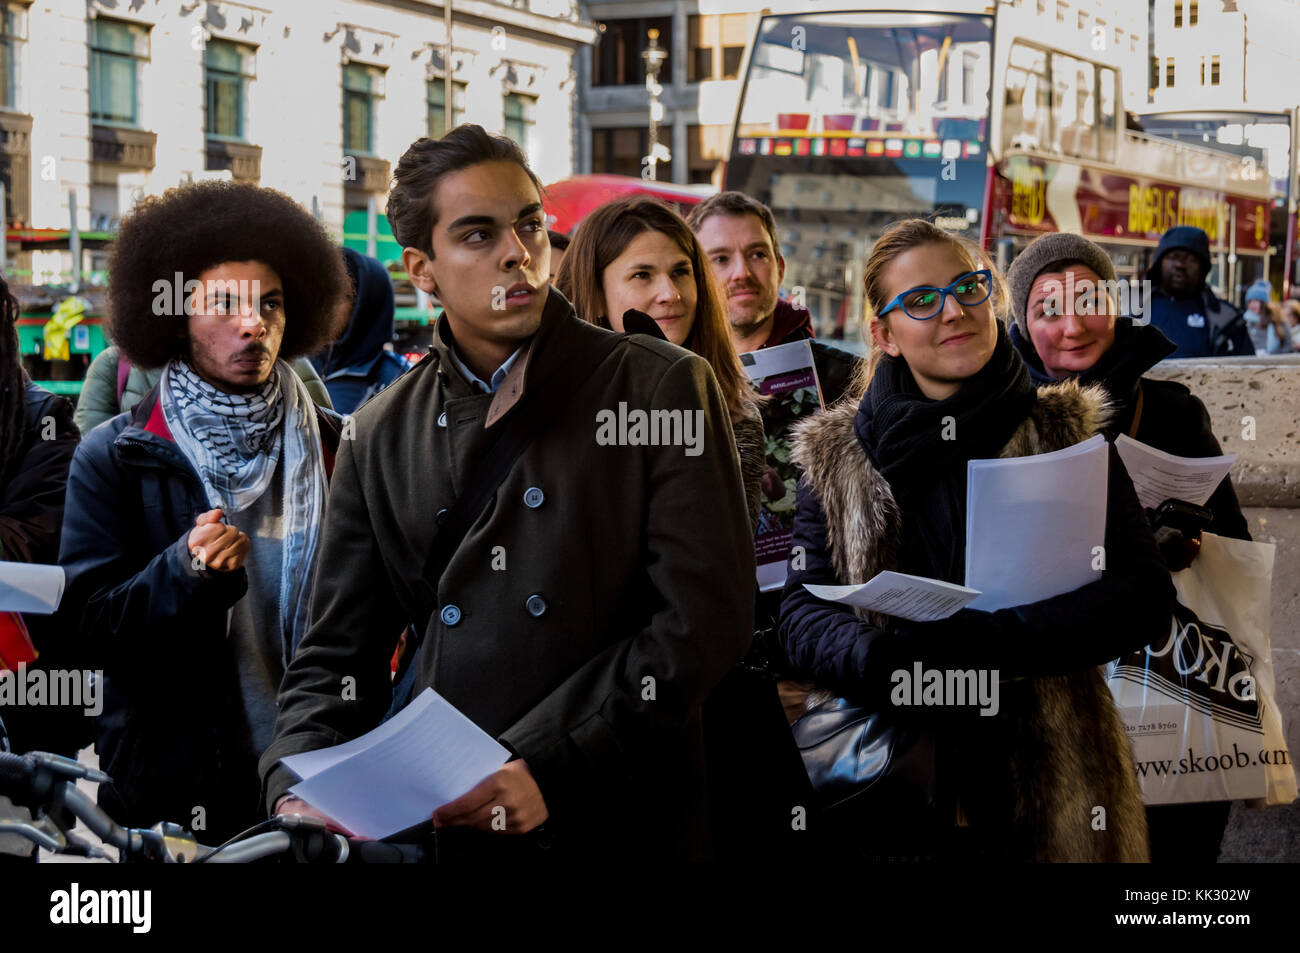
(1173, 418)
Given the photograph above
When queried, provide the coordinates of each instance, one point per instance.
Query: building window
(1214, 70)
(1083, 20)
(1178, 13)
(1169, 71)
(117, 51)
(437, 106)
(228, 68)
(717, 46)
(616, 60)
(1192, 13)
(12, 34)
(363, 88)
(1202, 70)
(520, 115)
(968, 63)
(619, 150)
(1155, 72)
(1042, 7)
(1060, 11)
(1132, 43)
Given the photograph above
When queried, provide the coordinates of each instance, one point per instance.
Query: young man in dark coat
(1183, 307)
(739, 237)
(1090, 344)
(597, 597)
(192, 520)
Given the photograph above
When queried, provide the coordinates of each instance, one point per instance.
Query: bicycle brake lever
(42, 833)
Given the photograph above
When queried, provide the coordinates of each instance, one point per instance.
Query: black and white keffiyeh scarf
(235, 442)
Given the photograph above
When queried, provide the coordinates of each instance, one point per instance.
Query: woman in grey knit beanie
(1087, 342)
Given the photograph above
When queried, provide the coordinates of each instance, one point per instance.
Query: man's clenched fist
(215, 544)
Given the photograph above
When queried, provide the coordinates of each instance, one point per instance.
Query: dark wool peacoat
(593, 604)
(1061, 748)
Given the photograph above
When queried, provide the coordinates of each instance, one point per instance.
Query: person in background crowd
(37, 440)
(1184, 308)
(581, 616)
(192, 522)
(738, 234)
(358, 365)
(114, 385)
(1268, 330)
(559, 245)
(1291, 314)
(884, 489)
(638, 254)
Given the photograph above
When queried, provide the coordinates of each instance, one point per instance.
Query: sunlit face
(652, 275)
(236, 324)
(948, 348)
(749, 270)
(491, 258)
(1070, 328)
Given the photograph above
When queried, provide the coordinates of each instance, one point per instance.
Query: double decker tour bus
(1264, 141)
(848, 121)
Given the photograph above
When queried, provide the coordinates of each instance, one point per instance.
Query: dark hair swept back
(411, 210)
(188, 230)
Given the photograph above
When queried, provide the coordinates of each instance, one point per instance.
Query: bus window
(1026, 117)
(1108, 109)
(1074, 119)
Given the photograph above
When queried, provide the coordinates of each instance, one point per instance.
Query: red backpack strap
(123, 372)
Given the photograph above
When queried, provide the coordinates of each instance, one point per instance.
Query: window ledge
(125, 146)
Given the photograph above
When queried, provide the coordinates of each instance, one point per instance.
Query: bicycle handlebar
(43, 782)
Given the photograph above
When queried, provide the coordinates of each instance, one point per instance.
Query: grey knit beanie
(1043, 251)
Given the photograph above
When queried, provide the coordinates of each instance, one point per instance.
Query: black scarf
(903, 433)
(1137, 349)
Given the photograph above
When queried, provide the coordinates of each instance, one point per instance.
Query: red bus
(569, 201)
(849, 121)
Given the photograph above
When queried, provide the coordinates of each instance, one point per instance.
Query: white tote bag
(1198, 705)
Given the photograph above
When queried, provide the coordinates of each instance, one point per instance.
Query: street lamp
(654, 56)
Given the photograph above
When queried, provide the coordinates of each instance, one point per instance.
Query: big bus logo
(1028, 193)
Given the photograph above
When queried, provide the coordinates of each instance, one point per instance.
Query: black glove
(967, 639)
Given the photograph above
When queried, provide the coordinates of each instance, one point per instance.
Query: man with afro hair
(192, 520)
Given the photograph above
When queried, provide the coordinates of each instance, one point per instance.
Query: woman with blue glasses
(1050, 777)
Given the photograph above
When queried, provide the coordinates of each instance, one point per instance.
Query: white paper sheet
(1034, 524)
(899, 594)
(1158, 476)
(395, 777)
(30, 587)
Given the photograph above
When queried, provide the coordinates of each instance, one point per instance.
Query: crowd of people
(275, 532)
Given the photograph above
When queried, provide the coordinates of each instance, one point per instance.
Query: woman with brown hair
(638, 254)
(884, 487)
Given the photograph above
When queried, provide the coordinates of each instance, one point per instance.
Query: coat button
(441, 516)
(442, 419)
(533, 497)
(450, 615)
(536, 606)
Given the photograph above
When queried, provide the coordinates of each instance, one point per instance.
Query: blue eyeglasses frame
(985, 273)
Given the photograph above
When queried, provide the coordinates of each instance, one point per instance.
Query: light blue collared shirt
(497, 376)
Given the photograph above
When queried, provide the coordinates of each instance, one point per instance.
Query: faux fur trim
(1072, 754)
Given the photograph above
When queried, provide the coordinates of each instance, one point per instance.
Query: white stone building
(103, 101)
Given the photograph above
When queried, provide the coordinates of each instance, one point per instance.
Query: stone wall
(1254, 407)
